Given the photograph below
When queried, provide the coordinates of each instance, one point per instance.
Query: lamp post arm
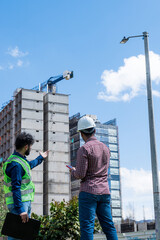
(124, 40)
(136, 36)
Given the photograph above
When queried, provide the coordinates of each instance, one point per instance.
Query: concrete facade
(28, 116)
(56, 139)
(45, 116)
(6, 130)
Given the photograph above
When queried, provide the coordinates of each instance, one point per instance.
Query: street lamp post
(155, 176)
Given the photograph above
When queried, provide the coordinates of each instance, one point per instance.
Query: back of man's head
(23, 139)
(88, 132)
(86, 126)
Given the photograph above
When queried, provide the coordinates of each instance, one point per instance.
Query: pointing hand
(44, 154)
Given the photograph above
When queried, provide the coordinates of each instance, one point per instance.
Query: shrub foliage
(62, 223)
(3, 207)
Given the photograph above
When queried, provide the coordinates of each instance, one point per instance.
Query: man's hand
(44, 154)
(24, 217)
(72, 169)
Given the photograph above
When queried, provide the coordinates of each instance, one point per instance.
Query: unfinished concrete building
(45, 116)
(56, 139)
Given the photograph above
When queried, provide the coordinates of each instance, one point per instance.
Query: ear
(83, 136)
(26, 147)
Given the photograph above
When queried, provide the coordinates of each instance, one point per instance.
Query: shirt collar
(91, 139)
(19, 155)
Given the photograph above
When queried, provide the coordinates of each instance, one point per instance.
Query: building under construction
(46, 117)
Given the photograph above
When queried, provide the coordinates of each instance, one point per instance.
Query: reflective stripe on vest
(23, 192)
(23, 181)
(22, 162)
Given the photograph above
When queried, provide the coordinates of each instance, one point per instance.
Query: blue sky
(40, 39)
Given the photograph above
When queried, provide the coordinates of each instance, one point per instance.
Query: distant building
(108, 134)
(133, 230)
(46, 117)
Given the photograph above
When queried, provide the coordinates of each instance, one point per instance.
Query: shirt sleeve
(16, 173)
(36, 161)
(108, 154)
(81, 164)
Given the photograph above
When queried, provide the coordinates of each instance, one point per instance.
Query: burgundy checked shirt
(92, 167)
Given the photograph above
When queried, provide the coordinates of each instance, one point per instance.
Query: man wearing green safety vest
(18, 186)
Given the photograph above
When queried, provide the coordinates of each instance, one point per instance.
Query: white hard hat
(85, 123)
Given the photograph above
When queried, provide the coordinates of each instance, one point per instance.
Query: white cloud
(15, 52)
(19, 63)
(137, 193)
(130, 79)
(11, 66)
(1, 68)
(156, 93)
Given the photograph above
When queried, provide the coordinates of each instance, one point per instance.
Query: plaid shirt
(92, 167)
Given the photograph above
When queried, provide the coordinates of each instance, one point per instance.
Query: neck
(21, 152)
(85, 138)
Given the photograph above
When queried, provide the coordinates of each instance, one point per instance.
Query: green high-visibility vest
(27, 186)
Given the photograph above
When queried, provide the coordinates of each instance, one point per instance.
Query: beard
(27, 152)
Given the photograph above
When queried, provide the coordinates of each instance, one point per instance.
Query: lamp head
(124, 40)
(67, 75)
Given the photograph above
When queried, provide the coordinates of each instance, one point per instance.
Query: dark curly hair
(23, 139)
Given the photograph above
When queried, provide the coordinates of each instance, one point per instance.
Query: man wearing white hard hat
(92, 168)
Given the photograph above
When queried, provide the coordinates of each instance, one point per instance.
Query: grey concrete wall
(142, 226)
(32, 122)
(56, 139)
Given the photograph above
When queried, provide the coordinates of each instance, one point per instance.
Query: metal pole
(155, 176)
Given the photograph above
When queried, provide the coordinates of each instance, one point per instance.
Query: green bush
(62, 223)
